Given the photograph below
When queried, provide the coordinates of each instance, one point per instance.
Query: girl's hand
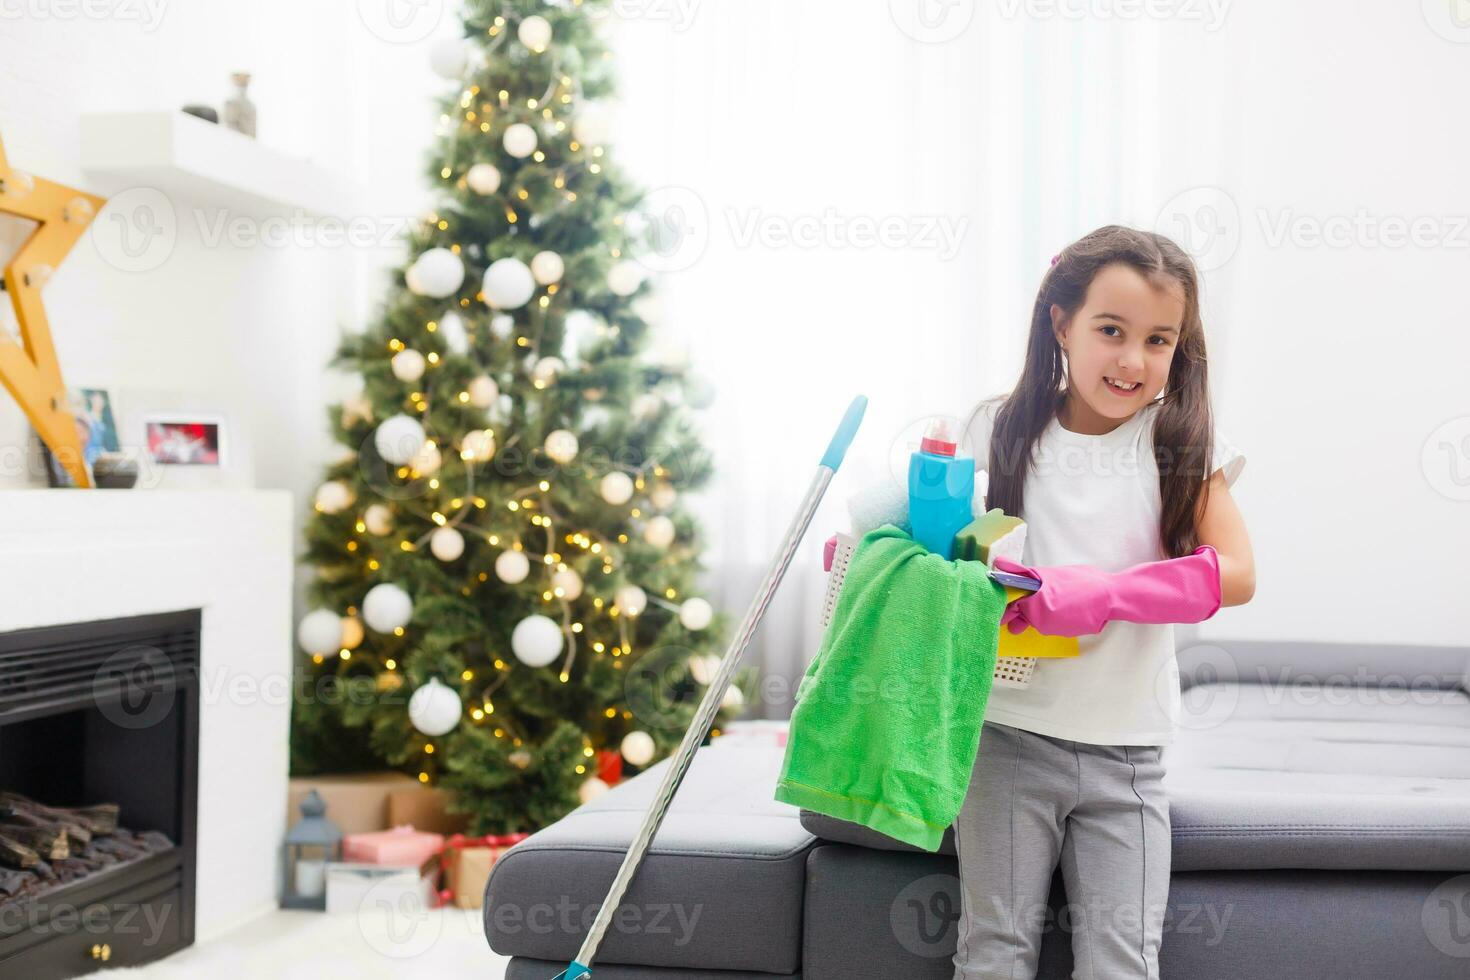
(1078, 600)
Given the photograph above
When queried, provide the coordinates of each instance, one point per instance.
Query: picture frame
(96, 426)
(186, 440)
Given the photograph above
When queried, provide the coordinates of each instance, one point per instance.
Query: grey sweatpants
(1099, 809)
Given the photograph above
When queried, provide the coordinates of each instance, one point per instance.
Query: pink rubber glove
(1078, 600)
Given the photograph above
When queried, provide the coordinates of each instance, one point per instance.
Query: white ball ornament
(637, 748)
(519, 140)
(501, 324)
(483, 178)
(452, 329)
(647, 405)
(704, 668)
(695, 614)
(378, 519)
(508, 284)
(663, 495)
(399, 438)
(659, 532)
(734, 697)
(561, 446)
(427, 460)
(631, 600)
(386, 607)
(446, 543)
(435, 708)
(413, 280)
(334, 496)
(512, 567)
(545, 371)
(449, 57)
(616, 487)
(478, 445)
(591, 790)
(408, 365)
(534, 33)
(547, 267)
(483, 391)
(320, 632)
(625, 277)
(536, 641)
(568, 582)
(440, 273)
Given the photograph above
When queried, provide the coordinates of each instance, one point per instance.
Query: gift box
(354, 887)
(400, 845)
(356, 803)
(467, 862)
(425, 807)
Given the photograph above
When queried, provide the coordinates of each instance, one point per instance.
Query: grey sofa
(1320, 810)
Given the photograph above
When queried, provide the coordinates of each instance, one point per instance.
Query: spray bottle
(941, 490)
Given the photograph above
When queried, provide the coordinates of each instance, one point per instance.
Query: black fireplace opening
(99, 736)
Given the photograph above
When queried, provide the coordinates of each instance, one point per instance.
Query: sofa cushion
(1303, 776)
(720, 888)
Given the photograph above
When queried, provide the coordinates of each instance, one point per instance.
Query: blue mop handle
(704, 716)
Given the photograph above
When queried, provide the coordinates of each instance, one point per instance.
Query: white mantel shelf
(203, 163)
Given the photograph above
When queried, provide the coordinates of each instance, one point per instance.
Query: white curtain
(793, 125)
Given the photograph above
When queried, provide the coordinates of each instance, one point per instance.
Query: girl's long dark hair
(1184, 428)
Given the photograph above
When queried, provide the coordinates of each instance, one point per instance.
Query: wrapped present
(425, 807)
(356, 803)
(467, 862)
(352, 885)
(400, 845)
(610, 766)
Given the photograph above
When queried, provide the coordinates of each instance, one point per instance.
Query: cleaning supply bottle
(941, 490)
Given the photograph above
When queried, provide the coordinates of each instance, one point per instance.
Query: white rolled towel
(885, 502)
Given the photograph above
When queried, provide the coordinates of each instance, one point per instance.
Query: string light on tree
(386, 608)
(435, 708)
(536, 641)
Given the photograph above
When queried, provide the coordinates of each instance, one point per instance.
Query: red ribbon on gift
(456, 841)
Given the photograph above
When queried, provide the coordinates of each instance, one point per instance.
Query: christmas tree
(504, 602)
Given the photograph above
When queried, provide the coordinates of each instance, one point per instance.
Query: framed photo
(96, 427)
(195, 440)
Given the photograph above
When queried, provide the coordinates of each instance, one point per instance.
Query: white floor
(439, 944)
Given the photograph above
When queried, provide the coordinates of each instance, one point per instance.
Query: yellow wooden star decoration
(32, 374)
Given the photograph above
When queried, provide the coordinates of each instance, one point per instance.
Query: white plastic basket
(1009, 671)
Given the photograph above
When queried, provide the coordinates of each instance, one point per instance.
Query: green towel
(887, 720)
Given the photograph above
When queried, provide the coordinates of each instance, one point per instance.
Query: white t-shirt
(1094, 500)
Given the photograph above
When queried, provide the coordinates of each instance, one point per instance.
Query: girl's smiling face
(1119, 345)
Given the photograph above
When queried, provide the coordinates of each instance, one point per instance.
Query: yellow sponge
(995, 534)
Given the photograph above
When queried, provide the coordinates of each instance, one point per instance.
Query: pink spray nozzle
(938, 439)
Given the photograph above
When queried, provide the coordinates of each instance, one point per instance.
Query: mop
(831, 459)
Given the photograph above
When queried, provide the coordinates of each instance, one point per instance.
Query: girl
(1099, 448)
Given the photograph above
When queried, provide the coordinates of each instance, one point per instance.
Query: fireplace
(103, 712)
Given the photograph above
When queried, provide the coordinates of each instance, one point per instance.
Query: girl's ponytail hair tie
(1056, 258)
